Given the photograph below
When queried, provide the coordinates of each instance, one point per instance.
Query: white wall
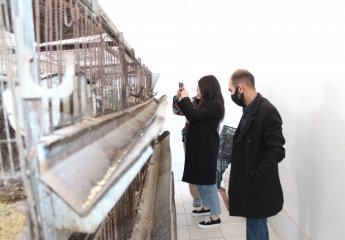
(296, 51)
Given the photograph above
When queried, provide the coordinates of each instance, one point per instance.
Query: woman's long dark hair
(210, 90)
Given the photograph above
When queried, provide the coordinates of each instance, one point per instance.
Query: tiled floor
(232, 228)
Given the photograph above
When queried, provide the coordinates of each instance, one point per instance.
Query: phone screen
(180, 85)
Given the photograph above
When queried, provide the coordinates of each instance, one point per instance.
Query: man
(255, 191)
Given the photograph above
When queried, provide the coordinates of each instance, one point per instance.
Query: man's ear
(240, 87)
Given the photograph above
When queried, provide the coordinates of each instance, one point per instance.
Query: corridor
(232, 228)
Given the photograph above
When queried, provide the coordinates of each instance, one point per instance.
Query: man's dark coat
(254, 187)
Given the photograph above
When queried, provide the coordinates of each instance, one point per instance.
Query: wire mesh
(9, 152)
(107, 78)
(225, 151)
(114, 78)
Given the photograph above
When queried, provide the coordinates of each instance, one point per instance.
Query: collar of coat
(249, 119)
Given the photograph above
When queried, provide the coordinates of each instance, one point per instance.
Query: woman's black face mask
(238, 98)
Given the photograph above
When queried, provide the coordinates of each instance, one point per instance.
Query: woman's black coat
(254, 187)
(202, 142)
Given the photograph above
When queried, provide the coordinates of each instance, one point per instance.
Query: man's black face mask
(238, 99)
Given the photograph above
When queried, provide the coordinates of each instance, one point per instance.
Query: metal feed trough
(87, 167)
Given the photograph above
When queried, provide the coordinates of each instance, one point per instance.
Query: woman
(176, 110)
(202, 144)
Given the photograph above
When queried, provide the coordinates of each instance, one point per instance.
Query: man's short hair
(243, 76)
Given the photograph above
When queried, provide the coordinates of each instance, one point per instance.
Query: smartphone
(180, 85)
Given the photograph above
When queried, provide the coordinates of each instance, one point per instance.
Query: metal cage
(225, 151)
(74, 94)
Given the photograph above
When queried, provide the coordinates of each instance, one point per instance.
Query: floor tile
(215, 238)
(183, 233)
(181, 220)
(194, 221)
(225, 217)
(197, 233)
(239, 237)
(178, 197)
(188, 207)
(179, 208)
(273, 236)
(233, 228)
